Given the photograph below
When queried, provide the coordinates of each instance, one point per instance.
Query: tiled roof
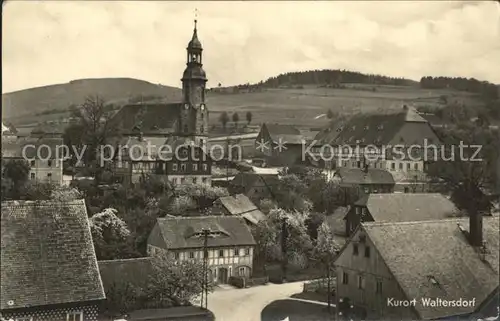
(403, 207)
(434, 259)
(183, 232)
(47, 255)
(241, 205)
(359, 176)
(148, 118)
(42, 146)
(134, 271)
(287, 133)
(370, 128)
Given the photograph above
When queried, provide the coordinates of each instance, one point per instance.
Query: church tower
(194, 114)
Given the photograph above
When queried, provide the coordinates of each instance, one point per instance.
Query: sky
(54, 42)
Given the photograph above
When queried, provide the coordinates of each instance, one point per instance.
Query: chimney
(476, 229)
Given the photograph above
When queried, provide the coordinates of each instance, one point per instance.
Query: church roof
(148, 118)
(195, 42)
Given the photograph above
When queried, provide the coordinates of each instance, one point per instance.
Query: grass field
(307, 107)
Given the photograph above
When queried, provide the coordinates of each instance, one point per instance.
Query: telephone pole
(204, 294)
(284, 250)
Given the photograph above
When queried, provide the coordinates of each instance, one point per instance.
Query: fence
(242, 282)
(320, 285)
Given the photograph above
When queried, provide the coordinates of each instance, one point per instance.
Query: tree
(249, 117)
(329, 114)
(224, 118)
(236, 119)
(65, 194)
(176, 282)
(110, 234)
(14, 177)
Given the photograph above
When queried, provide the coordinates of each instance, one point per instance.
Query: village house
(392, 134)
(230, 244)
(398, 208)
(49, 268)
(369, 180)
(387, 271)
(255, 186)
(176, 159)
(44, 156)
(281, 145)
(239, 205)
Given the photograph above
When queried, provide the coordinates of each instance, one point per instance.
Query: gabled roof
(372, 128)
(434, 259)
(148, 118)
(47, 255)
(40, 149)
(350, 176)
(287, 133)
(250, 180)
(185, 232)
(403, 207)
(241, 205)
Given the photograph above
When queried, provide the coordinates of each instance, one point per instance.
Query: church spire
(195, 42)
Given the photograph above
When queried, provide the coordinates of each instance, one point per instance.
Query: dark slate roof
(371, 128)
(403, 207)
(241, 205)
(148, 118)
(352, 176)
(287, 133)
(134, 271)
(47, 255)
(250, 180)
(14, 148)
(181, 232)
(434, 259)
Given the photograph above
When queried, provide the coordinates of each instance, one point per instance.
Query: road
(247, 304)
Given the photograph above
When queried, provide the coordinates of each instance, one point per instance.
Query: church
(183, 126)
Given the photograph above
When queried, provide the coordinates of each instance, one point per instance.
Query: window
(176, 255)
(195, 167)
(241, 271)
(174, 180)
(183, 180)
(361, 282)
(355, 249)
(32, 175)
(221, 253)
(401, 166)
(49, 176)
(194, 180)
(49, 163)
(191, 255)
(183, 167)
(204, 179)
(367, 251)
(379, 286)
(247, 251)
(32, 163)
(358, 210)
(393, 166)
(236, 252)
(345, 278)
(174, 167)
(415, 166)
(408, 166)
(201, 128)
(74, 316)
(205, 167)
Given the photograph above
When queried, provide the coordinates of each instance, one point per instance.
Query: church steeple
(195, 42)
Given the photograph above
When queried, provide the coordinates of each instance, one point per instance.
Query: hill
(56, 99)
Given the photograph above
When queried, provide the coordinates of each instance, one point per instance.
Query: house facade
(44, 156)
(398, 208)
(49, 268)
(383, 263)
(369, 180)
(255, 186)
(230, 244)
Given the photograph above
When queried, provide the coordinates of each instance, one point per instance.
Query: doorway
(222, 275)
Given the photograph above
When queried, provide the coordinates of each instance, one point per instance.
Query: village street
(247, 304)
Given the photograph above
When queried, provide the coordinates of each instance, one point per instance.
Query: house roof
(50, 128)
(359, 176)
(287, 133)
(434, 259)
(371, 128)
(184, 232)
(191, 313)
(134, 271)
(47, 255)
(148, 118)
(250, 180)
(403, 207)
(240, 204)
(42, 148)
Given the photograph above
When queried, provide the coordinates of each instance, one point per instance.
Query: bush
(237, 281)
